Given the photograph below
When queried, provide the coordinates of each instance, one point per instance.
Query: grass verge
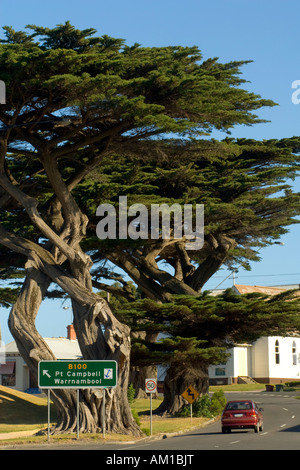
(161, 424)
(23, 412)
(20, 411)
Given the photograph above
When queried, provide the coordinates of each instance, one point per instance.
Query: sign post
(78, 423)
(190, 395)
(48, 415)
(77, 375)
(150, 387)
(103, 414)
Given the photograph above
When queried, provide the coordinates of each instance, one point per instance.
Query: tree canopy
(76, 101)
(88, 118)
(248, 203)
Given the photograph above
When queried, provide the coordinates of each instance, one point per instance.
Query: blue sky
(266, 32)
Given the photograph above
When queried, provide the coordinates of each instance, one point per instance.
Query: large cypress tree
(72, 100)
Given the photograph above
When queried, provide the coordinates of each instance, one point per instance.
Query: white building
(272, 359)
(14, 373)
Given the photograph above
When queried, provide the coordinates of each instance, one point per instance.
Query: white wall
(21, 373)
(240, 361)
(237, 364)
(259, 359)
(285, 368)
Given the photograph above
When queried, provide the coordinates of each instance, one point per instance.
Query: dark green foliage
(8, 296)
(248, 204)
(99, 108)
(136, 418)
(131, 393)
(205, 406)
(217, 402)
(104, 112)
(199, 330)
(292, 384)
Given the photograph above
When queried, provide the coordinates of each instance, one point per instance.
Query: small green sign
(77, 374)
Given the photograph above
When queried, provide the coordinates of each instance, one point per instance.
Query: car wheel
(261, 427)
(223, 430)
(256, 428)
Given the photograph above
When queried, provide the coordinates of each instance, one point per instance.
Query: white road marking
(132, 446)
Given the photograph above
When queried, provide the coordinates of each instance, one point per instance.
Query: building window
(8, 374)
(277, 356)
(220, 371)
(9, 380)
(294, 353)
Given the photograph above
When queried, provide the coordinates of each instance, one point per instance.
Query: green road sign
(77, 374)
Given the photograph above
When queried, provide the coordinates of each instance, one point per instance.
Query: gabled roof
(62, 348)
(240, 289)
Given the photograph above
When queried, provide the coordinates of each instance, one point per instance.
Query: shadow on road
(291, 429)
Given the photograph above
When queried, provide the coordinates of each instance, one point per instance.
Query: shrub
(218, 402)
(292, 384)
(136, 417)
(206, 407)
(202, 407)
(131, 393)
(146, 431)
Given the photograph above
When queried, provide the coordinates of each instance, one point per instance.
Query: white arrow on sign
(45, 372)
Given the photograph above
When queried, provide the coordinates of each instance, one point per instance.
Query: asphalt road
(281, 429)
(281, 432)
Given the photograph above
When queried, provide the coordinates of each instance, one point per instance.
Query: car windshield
(239, 405)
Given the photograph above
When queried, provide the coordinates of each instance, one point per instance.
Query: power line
(233, 272)
(264, 275)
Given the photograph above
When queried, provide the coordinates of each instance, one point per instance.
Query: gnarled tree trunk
(138, 374)
(99, 333)
(100, 337)
(33, 348)
(176, 382)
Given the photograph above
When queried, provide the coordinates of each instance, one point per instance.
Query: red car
(242, 414)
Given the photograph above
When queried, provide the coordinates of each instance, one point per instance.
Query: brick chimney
(71, 332)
